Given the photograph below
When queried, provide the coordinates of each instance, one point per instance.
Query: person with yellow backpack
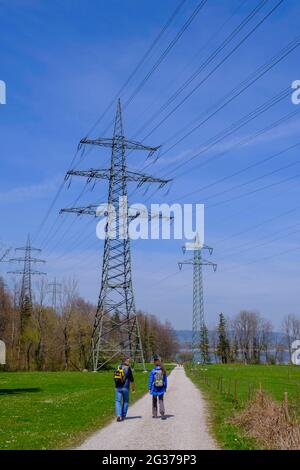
(123, 377)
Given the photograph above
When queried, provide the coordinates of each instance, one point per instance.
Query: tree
(214, 339)
(234, 350)
(204, 344)
(59, 339)
(253, 335)
(40, 324)
(70, 295)
(245, 329)
(223, 349)
(157, 337)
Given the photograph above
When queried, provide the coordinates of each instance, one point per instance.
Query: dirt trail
(184, 429)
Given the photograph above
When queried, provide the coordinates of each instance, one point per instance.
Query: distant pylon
(198, 298)
(25, 299)
(4, 254)
(116, 329)
(55, 291)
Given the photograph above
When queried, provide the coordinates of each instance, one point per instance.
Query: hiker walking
(158, 386)
(123, 377)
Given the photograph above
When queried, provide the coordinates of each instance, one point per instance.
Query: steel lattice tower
(4, 254)
(198, 298)
(25, 300)
(116, 329)
(55, 291)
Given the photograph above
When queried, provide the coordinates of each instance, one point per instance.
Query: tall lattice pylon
(116, 329)
(4, 254)
(198, 298)
(54, 289)
(25, 299)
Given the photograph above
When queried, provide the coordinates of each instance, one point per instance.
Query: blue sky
(64, 61)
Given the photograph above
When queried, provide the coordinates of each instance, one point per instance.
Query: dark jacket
(128, 376)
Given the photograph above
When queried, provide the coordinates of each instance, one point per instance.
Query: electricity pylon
(198, 298)
(55, 291)
(25, 299)
(4, 254)
(116, 329)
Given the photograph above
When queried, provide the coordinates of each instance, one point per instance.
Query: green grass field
(52, 410)
(229, 387)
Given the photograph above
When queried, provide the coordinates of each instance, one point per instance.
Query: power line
(243, 170)
(251, 79)
(142, 60)
(203, 65)
(216, 67)
(171, 83)
(170, 46)
(254, 191)
(198, 323)
(264, 243)
(116, 312)
(139, 64)
(240, 143)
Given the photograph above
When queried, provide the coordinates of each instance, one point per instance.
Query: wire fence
(239, 391)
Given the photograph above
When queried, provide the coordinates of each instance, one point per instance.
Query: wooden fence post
(235, 390)
(260, 394)
(228, 387)
(286, 406)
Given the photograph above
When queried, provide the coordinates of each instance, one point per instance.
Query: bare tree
(40, 322)
(69, 297)
(245, 327)
(252, 334)
(264, 337)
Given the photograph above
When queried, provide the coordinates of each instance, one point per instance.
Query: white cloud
(30, 192)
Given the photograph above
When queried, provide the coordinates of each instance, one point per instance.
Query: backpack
(120, 376)
(158, 379)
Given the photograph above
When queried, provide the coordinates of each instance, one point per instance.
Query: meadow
(229, 387)
(54, 410)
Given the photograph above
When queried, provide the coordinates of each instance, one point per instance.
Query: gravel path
(184, 429)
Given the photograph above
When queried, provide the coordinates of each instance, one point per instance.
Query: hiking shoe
(119, 419)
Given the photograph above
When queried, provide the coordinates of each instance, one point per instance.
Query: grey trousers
(161, 405)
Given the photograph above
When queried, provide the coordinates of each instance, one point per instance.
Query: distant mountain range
(185, 336)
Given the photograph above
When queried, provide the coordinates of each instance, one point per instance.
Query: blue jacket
(155, 390)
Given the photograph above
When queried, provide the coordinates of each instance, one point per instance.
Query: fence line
(231, 389)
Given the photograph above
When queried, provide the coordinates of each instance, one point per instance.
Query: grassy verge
(228, 389)
(52, 410)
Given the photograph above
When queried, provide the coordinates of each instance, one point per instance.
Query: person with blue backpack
(158, 386)
(123, 377)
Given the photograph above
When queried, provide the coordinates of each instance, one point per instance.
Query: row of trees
(249, 338)
(59, 339)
